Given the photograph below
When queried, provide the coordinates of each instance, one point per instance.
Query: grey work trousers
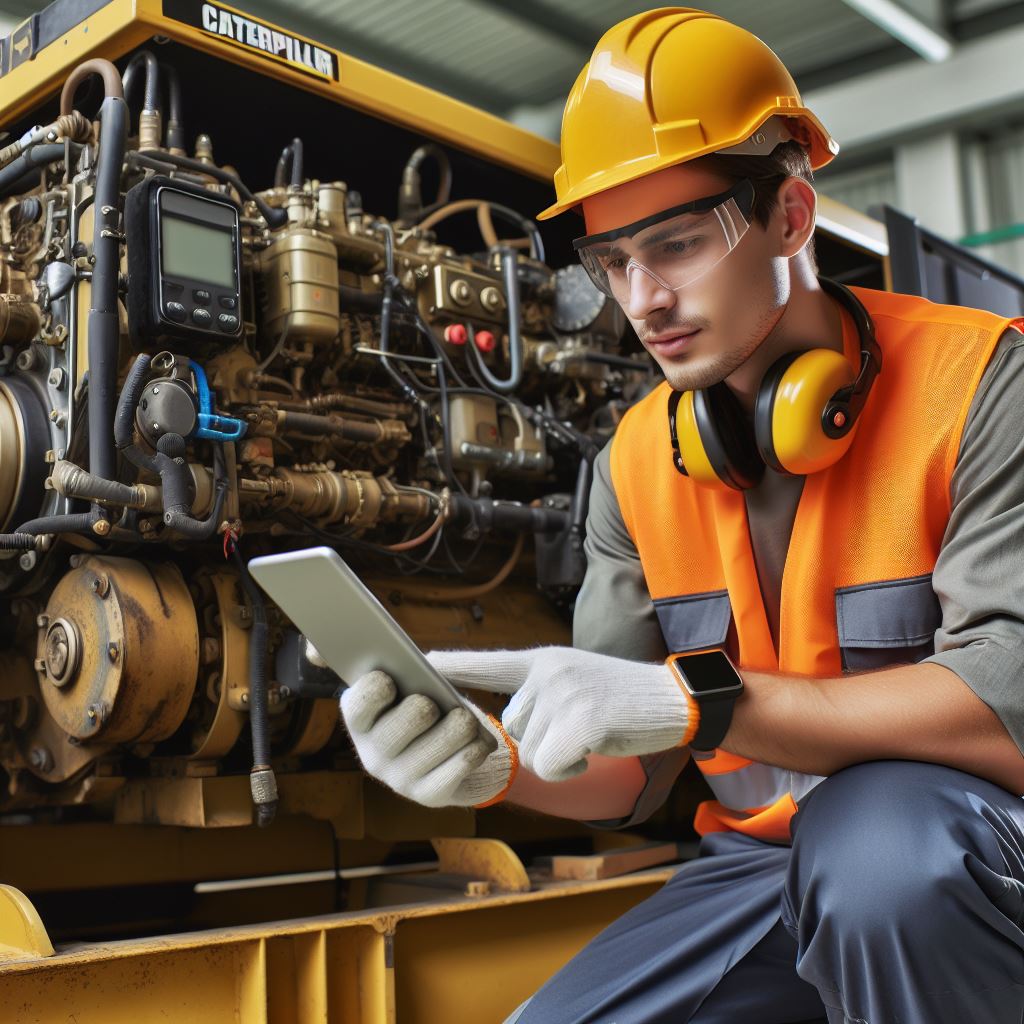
(900, 901)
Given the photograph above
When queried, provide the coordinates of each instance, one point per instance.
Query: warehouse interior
(401, 373)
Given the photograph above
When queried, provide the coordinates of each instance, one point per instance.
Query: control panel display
(195, 250)
(184, 263)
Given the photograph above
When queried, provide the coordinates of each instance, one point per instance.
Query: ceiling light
(908, 28)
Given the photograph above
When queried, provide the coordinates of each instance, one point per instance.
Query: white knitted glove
(461, 759)
(569, 703)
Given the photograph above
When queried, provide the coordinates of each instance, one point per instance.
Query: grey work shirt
(978, 576)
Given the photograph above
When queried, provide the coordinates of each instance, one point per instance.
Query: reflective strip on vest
(755, 784)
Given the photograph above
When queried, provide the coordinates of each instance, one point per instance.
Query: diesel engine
(193, 373)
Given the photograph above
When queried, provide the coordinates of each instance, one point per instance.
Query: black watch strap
(715, 717)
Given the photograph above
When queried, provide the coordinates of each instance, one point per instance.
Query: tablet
(352, 630)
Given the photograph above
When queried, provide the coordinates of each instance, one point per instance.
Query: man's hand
(460, 759)
(570, 703)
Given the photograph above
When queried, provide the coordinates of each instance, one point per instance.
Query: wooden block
(609, 864)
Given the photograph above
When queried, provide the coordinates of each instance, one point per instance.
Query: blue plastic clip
(211, 426)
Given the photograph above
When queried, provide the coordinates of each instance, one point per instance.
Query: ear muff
(791, 401)
(713, 440)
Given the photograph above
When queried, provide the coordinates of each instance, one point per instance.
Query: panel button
(202, 317)
(227, 323)
(175, 311)
(201, 296)
(227, 301)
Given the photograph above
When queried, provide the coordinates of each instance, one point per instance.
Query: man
(836, 510)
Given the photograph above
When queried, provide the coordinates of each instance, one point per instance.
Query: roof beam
(559, 23)
(917, 24)
(979, 84)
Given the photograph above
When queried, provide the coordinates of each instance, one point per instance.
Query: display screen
(708, 671)
(197, 252)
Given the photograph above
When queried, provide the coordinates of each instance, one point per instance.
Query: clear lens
(674, 252)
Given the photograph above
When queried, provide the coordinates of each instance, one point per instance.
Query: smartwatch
(710, 678)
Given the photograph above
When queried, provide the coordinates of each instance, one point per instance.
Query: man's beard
(704, 372)
(709, 370)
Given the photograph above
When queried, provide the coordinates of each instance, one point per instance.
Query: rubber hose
(29, 161)
(124, 418)
(151, 91)
(274, 218)
(103, 325)
(175, 132)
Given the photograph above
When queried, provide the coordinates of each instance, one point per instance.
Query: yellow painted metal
(437, 961)
(22, 935)
(488, 859)
(124, 24)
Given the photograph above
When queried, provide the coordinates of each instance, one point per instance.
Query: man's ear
(797, 203)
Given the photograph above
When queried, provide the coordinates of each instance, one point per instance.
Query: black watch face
(709, 672)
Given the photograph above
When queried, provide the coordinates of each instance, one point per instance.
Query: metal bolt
(156, 390)
(92, 714)
(244, 698)
(58, 652)
(26, 360)
(42, 621)
(113, 651)
(285, 691)
(27, 560)
(41, 759)
(101, 528)
(56, 378)
(100, 586)
(58, 417)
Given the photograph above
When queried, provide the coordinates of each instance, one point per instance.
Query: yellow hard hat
(671, 85)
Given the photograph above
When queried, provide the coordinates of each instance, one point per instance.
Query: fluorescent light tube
(906, 27)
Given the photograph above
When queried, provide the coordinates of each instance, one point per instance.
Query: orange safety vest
(856, 590)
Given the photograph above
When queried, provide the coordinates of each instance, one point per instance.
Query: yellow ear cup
(801, 391)
(691, 448)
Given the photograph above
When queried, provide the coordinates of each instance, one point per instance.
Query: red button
(485, 341)
(839, 419)
(456, 334)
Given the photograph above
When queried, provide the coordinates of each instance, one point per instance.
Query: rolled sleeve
(978, 572)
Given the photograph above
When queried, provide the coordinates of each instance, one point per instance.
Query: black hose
(26, 163)
(75, 522)
(261, 778)
(103, 326)
(124, 418)
(175, 133)
(176, 488)
(350, 430)
(488, 514)
(159, 161)
(410, 196)
(151, 93)
(290, 160)
(17, 541)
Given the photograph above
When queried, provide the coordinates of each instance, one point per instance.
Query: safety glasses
(674, 247)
